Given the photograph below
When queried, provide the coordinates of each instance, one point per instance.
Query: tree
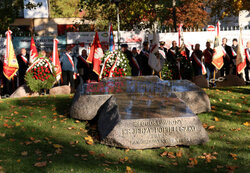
(10, 10)
(224, 8)
(191, 12)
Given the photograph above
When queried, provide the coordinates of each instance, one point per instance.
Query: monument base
(148, 121)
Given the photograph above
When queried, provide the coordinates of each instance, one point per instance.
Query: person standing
(234, 55)
(227, 58)
(247, 51)
(173, 58)
(129, 56)
(196, 58)
(69, 70)
(83, 66)
(162, 43)
(208, 57)
(143, 60)
(23, 62)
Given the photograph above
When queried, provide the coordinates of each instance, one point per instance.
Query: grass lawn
(37, 135)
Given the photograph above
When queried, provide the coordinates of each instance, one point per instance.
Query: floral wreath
(115, 64)
(40, 74)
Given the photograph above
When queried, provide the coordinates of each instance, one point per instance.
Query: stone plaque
(149, 121)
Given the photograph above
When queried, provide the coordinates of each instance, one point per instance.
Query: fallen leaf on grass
(91, 152)
(232, 168)
(128, 170)
(192, 162)
(40, 164)
(236, 130)
(174, 163)
(179, 154)
(164, 153)
(219, 166)
(57, 146)
(234, 156)
(89, 140)
(2, 134)
(171, 155)
(216, 119)
(246, 124)
(24, 153)
(211, 127)
(32, 138)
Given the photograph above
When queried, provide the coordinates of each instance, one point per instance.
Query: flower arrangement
(115, 64)
(166, 73)
(40, 74)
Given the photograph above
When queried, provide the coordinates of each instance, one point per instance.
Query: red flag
(10, 65)
(241, 56)
(95, 55)
(218, 28)
(55, 59)
(33, 50)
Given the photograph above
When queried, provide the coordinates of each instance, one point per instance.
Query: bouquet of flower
(40, 75)
(115, 64)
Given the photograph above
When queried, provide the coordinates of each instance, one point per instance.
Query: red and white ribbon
(248, 54)
(24, 59)
(233, 52)
(113, 67)
(104, 65)
(85, 62)
(72, 63)
(200, 63)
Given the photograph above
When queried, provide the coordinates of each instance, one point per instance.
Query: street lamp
(118, 19)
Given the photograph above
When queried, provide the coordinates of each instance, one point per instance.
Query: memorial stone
(142, 112)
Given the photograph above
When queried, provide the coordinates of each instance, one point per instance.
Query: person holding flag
(208, 57)
(247, 52)
(234, 54)
(69, 70)
(227, 58)
(83, 66)
(197, 61)
(23, 62)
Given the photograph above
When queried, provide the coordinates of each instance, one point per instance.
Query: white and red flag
(241, 56)
(55, 59)
(218, 54)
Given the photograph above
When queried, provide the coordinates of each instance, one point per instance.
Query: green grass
(30, 126)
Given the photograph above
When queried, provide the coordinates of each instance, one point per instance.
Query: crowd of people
(75, 66)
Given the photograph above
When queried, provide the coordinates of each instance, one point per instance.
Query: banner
(41, 11)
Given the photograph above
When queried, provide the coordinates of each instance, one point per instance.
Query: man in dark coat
(132, 62)
(23, 62)
(234, 54)
(83, 66)
(196, 58)
(143, 60)
(227, 58)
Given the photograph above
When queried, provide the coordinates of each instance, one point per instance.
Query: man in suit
(227, 58)
(23, 62)
(143, 60)
(234, 55)
(247, 51)
(69, 69)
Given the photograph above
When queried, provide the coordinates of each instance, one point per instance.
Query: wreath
(40, 74)
(115, 64)
(166, 73)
